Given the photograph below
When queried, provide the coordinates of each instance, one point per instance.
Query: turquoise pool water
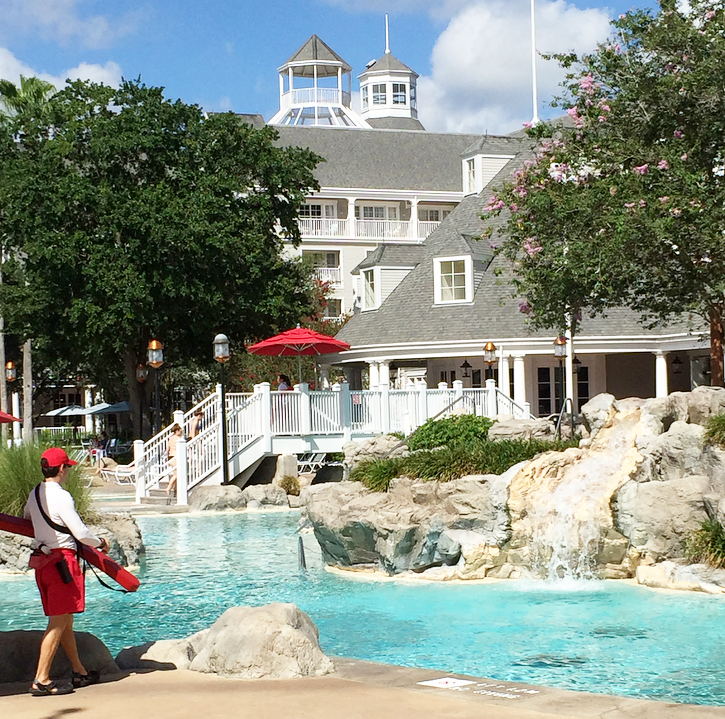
(597, 636)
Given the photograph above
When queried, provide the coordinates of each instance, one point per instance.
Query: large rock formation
(217, 498)
(19, 656)
(278, 641)
(641, 481)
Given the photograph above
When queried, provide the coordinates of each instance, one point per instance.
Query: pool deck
(356, 689)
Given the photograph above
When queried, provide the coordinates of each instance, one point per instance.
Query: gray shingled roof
(395, 123)
(316, 50)
(387, 63)
(253, 119)
(390, 159)
(392, 255)
(409, 315)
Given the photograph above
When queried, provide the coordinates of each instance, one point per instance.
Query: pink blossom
(586, 83)
(683, 156)
(573, 113)
(528, 125)
(621, 17)
(524, 307)
(520, 191)
(663, 165)
(629, 205)
(604, 107)
(642, 203)
(641, 169)
(612, 191)
(709, 15)
(678, 134)
(514, 207)
(532, 246)
(602, 118)
(664, 199)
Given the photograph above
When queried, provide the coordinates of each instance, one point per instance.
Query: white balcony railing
(333, 275)
(367, 229)
(425, 228)
(307, 96)
(382, 229)
(317, 227)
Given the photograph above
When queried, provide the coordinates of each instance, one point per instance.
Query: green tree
(627, 207)
(138, 217)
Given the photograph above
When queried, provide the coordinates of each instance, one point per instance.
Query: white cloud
(11, 69)
(438, 9)
(64, 21)
(481, 63)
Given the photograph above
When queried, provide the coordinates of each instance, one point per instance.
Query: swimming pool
(602, 637)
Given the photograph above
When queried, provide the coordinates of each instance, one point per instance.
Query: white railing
(306, 95)
(332, 275)
(323, 227)
(335, 415)
(382, 228)
(425, 228)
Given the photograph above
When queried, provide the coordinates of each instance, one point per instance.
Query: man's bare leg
(57, 626)
(68, 642)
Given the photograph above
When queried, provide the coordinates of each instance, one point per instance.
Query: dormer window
(471, 175)
(453, 279)
(370, 301)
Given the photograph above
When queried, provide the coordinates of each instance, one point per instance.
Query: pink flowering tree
(624, 202)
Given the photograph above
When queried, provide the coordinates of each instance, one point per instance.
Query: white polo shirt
(60, 507)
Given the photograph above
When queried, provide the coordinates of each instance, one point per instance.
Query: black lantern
(676, 366)
(465, 367)
(142, 373)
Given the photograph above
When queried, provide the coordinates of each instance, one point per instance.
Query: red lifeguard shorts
(57, 597)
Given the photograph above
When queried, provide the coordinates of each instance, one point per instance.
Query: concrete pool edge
(356, 689)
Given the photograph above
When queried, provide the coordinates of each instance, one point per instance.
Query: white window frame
(374, 273)
(438, 285)
(402, 91)
(380, 96)
(364, 96)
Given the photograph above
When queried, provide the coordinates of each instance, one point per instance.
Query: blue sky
(472, 55)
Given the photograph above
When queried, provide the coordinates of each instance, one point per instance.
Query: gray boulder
(124, 537)
(673, 408)
(374, 448)
(265, 495)
(656, 516)
(19, 656)
(598, 411)
(703, 402)
(277, 641)
(522, 429)
(14, 552)
(217, 498)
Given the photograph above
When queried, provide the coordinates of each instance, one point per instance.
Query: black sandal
(50, 689)
(85, 680)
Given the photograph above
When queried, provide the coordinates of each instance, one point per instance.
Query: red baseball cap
(56, 457)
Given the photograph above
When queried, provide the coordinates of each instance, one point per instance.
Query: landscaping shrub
(290, 484)
(446, 463)
(715, 430)
(707, 544)
(20, 472)
(450, 431)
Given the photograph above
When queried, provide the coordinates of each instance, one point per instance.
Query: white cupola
(311, 89)
(388, 87)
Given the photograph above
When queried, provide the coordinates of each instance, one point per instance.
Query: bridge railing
(335, 413)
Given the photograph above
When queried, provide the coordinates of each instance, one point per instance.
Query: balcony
(331, 275)
(400, 230)
(308, 96)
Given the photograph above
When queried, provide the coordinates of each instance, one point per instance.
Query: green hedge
(477, 457)
(20, 472)
(449, 431)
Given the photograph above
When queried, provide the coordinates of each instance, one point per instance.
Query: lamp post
(222, 355)
(11, 374)
(489, 357)
(142, 374)
(156, 360)
(560, 354)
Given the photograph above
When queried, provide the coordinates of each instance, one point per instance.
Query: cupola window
(399, 94)
(379, 94)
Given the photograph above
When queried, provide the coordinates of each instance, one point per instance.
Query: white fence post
(384, 388)
(265, 418)
(305, 408)
(345, 410)
(138, 455)
(527, 410)
(458, 392)
(179, 419)
(492, 399)
(422, 403)
(182, 471)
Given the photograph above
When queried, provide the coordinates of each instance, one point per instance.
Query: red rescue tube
(18, 525)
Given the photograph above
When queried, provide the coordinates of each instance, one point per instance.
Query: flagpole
(535, 117)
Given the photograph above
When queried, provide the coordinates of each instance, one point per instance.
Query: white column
(325, 376)
(384, 373)
(305, 408)
(504, 383)
(569, 368)
(491, 398)
(373, 374)
(414, 218)
(351, 227)
(89, 403)
(457, 388)
(314, 84)
(519, 380)
(281, 89)
(182, 472)
(265, 419)
(339, 85)
(384, 407)
(345, 409)
(422, 402)
(661, 389)
(290, 76)
(138, 463)
(179, 419)
(17, 427)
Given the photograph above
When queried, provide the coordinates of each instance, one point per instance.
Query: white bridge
(266, 423)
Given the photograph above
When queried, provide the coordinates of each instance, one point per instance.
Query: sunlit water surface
(590, 636)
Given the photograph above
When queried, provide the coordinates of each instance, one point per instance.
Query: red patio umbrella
(5, 418)
(299, 341)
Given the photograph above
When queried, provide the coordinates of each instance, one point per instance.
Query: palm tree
(28, 101)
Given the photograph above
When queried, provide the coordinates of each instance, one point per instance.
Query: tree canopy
(130, 216)
(625, 206)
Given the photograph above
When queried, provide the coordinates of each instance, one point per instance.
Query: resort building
(393, 231)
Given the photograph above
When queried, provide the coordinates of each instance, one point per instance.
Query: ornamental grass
(707, 544)
(20, 472)
(715, 430)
